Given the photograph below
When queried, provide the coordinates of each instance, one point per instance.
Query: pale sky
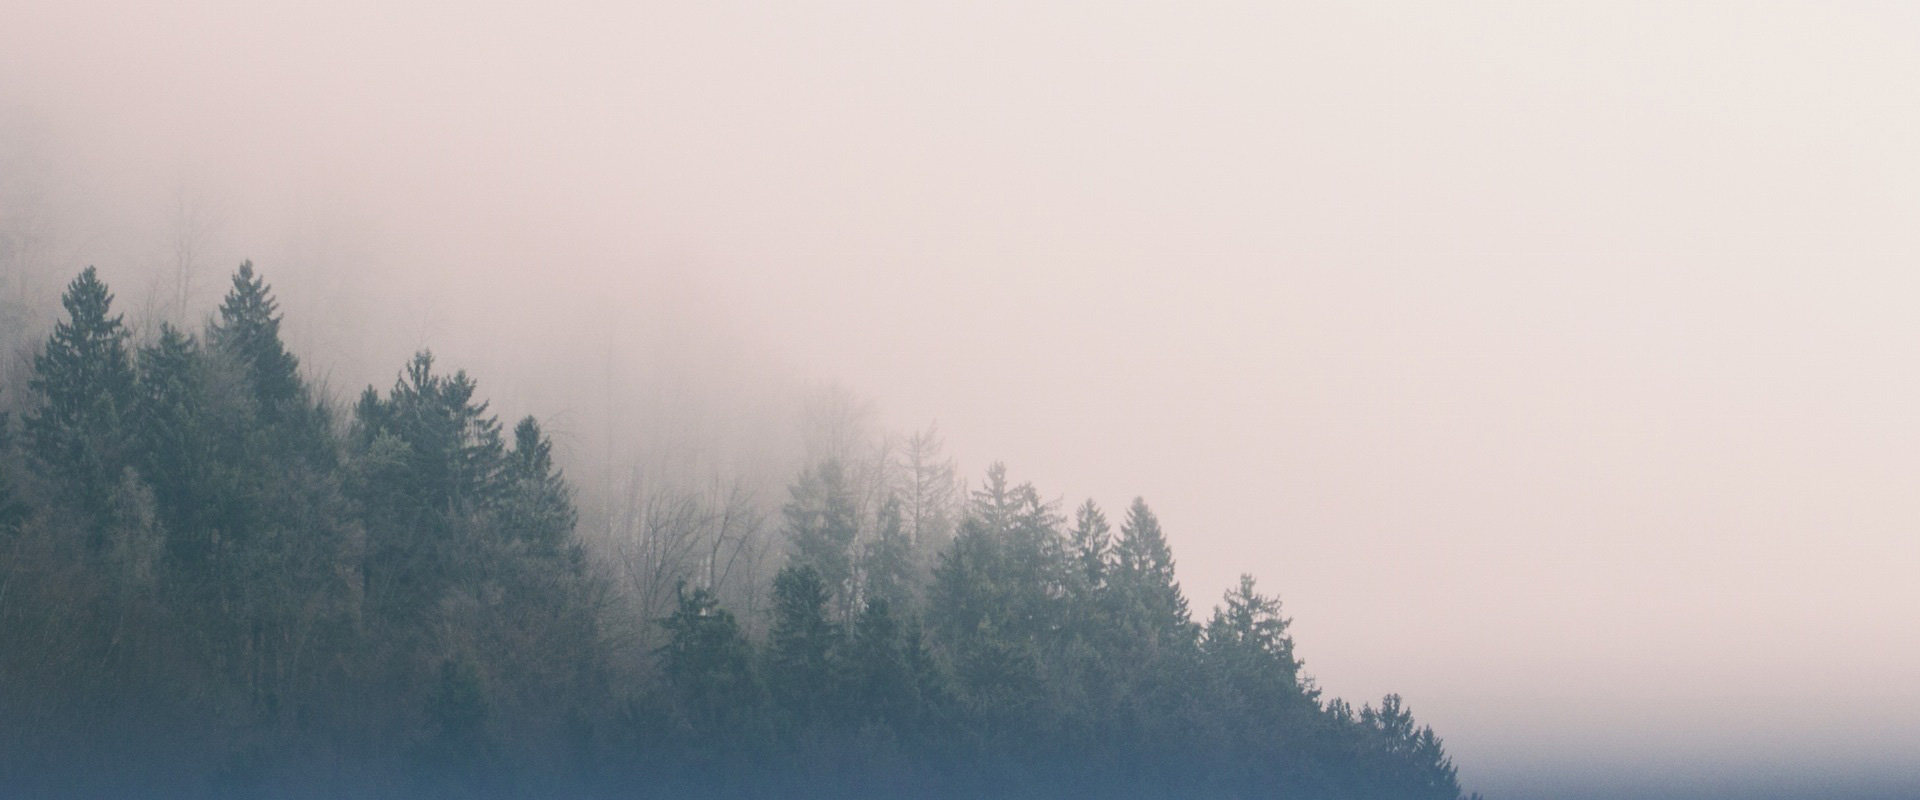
(1555, 364)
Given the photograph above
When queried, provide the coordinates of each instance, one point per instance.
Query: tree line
(217, 581)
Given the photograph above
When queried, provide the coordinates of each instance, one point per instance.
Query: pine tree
(882, 669)
(995, 504)
(1260, 705)
(180, 453)
(428, 462)
(716, 693)
(538, 506)
(1090, 544)
(888, 564)
(1248, 637)
(1401, 759)
(248, 331)
(83, 382)
(801, 673)
(1144, 582)
(822, 523)
(1157, 717)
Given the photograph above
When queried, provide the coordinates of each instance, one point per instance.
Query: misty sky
(1555, 364)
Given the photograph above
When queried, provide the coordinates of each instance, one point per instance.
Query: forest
(219, 579)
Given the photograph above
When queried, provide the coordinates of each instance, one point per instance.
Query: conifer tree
(822, 523)
(801, 674)
(83, 385)
(888, 564)
(882, 669)
(1402, 759)
(1249, 637)
(1090, 543)
(538, 506)
(428, 461)
(1144, 581)
(180, 453)
(248, 331)
(716, 692)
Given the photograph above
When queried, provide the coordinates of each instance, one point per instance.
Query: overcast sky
(1555, 364)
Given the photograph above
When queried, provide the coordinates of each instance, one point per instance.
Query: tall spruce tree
(83, 387)
(802, 670)
(180, 442)
(888, 563)
(822, 522)
(1144, 583)
(537, 506)
(716, 694)
(248, 331)
(1090, 546)
(887, 692)
(428, 461)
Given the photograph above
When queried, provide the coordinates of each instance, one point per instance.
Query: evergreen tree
(538, 506)
(822, 523)
(1401, 759)
(1264, 711)
(995, 504)
(181, 456)
(883, 669)
(1144, 584)
(1090, 545)
(716, 693)
(1249, 637)
(83, 385)
(1157, 720)
(428, 461)
(889, 566)
(248, 331)
(802, 646)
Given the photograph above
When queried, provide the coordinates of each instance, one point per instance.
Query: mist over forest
(225, 582)
(234, 569)
(1545, 363)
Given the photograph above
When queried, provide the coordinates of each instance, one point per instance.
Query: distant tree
(181, 445)
(716, 692)
(248, 330)
(83, 386)
(1248, 637)
(803, 645)
(1401, 759)
(822, 523)
(888, 563)
(928, 492)
(1144, 583)
(882, 667)
(1265, 713)
(1090, 546)
(428, 458)
(537, 506)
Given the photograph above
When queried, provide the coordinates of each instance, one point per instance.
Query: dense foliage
(213, 581)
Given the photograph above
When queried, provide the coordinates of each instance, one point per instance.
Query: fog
(1552, 364)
